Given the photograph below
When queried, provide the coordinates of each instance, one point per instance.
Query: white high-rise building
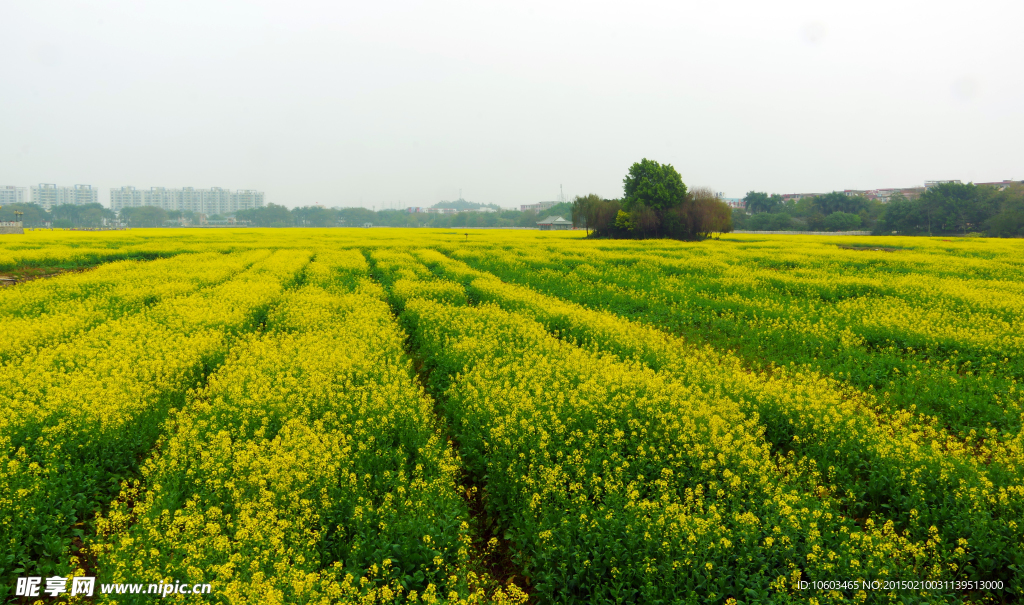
(161, 197)
(217, 201)
(191, 199)
(13, 195)
(247, 199)
(125, 197)
(204, 201)
(49, 195)
(86, 194)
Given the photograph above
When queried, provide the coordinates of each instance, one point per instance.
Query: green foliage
(622, 221)
(32, 215)
(314, 217)
(900, 217)
(706, 214)
(602, 216)
(957, 208)
(270, 215)
(656, 204)
(596, 214)
(1008, 217)
(657, 186)
(739, 219)
(582, 210)
(461, 204)
(961, 206)
(757, 202)
(837, 201)
(842, 221)
(144, 216)
(768, 222)
(86, 215)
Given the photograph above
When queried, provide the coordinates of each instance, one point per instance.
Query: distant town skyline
(218, 200)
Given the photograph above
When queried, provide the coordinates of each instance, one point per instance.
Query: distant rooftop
(554, 220)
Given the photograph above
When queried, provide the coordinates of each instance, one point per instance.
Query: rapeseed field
(496, 416)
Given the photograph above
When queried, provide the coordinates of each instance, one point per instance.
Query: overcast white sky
(376, 103)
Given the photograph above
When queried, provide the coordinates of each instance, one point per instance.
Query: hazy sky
(376, 103)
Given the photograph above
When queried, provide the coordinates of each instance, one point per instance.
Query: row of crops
(345, 417)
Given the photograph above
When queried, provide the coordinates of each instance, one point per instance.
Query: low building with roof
(554, 223)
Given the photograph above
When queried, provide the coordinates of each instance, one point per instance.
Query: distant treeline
(944, 209)
(958, 208)
(279, 216)
(656, 204)
(93, 215)
(66, 216)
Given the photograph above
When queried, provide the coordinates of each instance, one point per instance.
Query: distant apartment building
(886, 194)
(161, 197)
(86, 194)
(786, 197)
(204, 201)
(883, 195)
(13, 195)
(422, 210)
(49, 195)
(1000, 185)
(733, 202)
(536, 207)
(125, 197)
(246, 199)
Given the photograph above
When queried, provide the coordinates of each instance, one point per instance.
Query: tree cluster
(655, 203)
(314, 216)
(834, 211)
(958, 208)
(947, 208)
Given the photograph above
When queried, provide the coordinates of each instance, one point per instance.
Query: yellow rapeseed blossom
(386, 415)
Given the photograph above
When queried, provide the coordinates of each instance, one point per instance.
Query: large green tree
(270, 215)
(85, 215)
(842, 221)
(583, 211)
(656, 204)
(837, 201)
(901, 217)
(653, 185)
(313, 216)
(759, 201)
(144, 216)
(956, 206)
(1007, 219)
